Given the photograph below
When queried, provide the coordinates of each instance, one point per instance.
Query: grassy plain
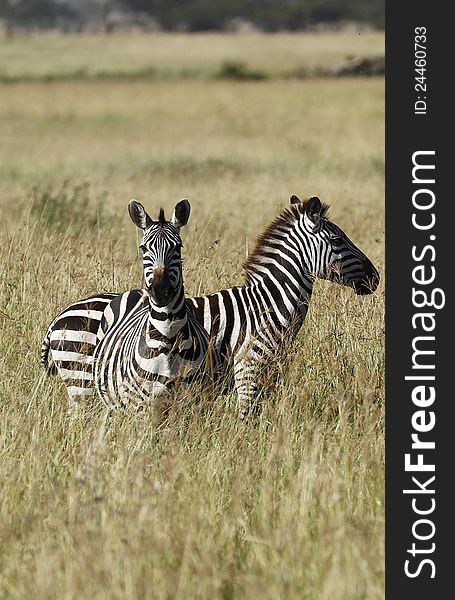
(198, 505)
(178, 55)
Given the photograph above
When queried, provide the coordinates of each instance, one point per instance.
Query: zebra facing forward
(146, 340)
(149, 340)
(250, 324)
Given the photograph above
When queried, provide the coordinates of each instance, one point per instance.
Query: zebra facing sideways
(250, 324)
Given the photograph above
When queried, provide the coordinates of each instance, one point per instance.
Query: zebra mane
(285, 219)
(161, 218)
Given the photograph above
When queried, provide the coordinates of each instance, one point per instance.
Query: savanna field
(189, 502)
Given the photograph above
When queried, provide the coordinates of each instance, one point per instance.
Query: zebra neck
(290, 294)
(168, 320)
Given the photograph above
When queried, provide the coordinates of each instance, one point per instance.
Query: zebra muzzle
(160, 289)
(369, 281)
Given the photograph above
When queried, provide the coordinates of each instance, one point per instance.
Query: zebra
(149, 340)
(152, 328)
(251, 324)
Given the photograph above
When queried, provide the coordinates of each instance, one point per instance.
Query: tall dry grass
(192, 503)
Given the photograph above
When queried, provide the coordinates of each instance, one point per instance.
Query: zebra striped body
(143, 353)
(250, 325)
(71, 340)
(247, 332)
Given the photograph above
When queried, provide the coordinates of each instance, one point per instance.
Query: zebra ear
(313, 211)
(294, 199)
(139, 215)
(181, 213)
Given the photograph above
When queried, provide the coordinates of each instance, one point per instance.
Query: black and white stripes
(251, 324)
(153, 338)
(148, 339)
(71, 340)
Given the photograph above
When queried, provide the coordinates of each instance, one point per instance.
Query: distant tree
(34, 13)
(5, 9)
(270, 15)
(199, 15)
(6, 15)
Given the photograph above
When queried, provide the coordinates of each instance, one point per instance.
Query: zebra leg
(245, 385)
(77, 396)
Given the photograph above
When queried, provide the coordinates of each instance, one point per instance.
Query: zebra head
(161, 246)
(332, 254)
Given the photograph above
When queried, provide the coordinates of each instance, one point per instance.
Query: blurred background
(187, 15)
(168, 97)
